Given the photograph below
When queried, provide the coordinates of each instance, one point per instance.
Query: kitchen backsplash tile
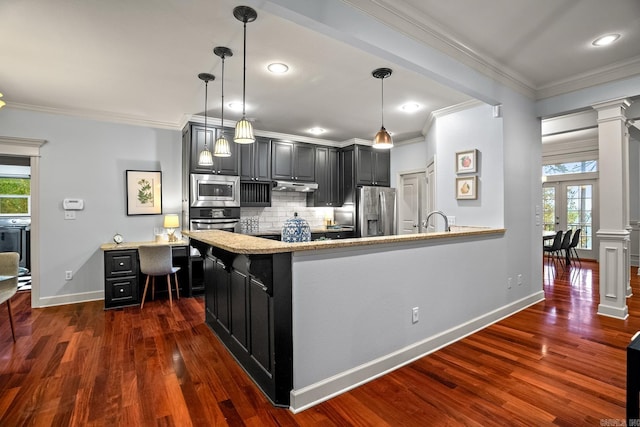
(283, 205)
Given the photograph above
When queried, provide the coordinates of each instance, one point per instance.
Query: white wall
(87, 159)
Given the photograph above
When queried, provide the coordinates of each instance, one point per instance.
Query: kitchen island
(310, 320)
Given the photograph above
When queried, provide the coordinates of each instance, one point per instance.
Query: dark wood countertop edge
(247, 245)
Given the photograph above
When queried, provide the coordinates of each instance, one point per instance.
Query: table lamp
(171, 223)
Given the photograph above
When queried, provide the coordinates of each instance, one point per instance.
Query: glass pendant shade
(244, 132)
(221, 147)
(205, 158)
(382, 139)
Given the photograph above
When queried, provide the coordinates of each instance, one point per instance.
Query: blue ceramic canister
(296, 230)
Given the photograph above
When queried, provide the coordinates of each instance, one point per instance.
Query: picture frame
(467, 188)
(144, 192)
(467, 161)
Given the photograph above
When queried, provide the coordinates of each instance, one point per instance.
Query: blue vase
(296, 230)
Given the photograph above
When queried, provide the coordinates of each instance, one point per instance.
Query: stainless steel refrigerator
(376, 211)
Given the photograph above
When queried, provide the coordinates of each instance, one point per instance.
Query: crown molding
(102, 116)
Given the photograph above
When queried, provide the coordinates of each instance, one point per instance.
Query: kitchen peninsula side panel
(248, 305)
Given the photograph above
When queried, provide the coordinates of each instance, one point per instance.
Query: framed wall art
(466, 161)
(144, 192)
(467, 188)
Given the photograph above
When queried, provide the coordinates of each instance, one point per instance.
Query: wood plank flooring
(555, 363)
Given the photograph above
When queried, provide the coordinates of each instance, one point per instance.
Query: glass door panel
(549, 218)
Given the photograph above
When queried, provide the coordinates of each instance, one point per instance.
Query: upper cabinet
(292, 161)
(328, 178)
(221, 165)
(255, 160)
(372, 166)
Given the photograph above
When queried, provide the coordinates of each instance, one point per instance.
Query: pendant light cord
(222, 93)
(244, 68)
(206, 91)
(382, 109)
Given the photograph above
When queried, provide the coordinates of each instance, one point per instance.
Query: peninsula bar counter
(310, 320)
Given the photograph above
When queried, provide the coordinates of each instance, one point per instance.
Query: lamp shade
(244, 132)
(382, 139)
(221, 147)
(205, 158)
(171, 221)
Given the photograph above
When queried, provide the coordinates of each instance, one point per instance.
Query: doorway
(570, 205)
(415, 200)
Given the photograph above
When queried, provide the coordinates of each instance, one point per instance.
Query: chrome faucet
(430, 214)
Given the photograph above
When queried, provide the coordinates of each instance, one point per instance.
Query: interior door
(572, 205)
(409, 205)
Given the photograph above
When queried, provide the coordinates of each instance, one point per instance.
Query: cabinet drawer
(179, 251)
(122, 291)
(120, 263)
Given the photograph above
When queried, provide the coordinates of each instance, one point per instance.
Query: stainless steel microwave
(214, 190)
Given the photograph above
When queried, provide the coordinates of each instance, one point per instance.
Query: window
(15, 196)
(585, 166)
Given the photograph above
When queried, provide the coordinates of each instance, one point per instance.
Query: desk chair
(9, 267)
(156, 260)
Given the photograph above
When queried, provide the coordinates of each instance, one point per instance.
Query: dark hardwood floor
(555, 363)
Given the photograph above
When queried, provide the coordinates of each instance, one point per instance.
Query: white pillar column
(614, 236)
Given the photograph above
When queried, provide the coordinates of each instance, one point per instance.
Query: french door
(572, 205)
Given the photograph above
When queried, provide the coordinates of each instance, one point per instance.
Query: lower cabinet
(248, 305)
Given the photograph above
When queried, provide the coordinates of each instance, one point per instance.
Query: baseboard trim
(71, 299)
(313, 394)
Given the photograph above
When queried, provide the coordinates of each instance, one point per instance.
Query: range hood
(301, 187)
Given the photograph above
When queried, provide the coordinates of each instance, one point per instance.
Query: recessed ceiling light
(317, 131)
(235, 106)
(605, 40)
(278, 68)
(410, 107)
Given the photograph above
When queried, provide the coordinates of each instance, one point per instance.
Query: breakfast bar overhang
(310, 320)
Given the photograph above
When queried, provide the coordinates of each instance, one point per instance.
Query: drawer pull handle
(121, 290)
(121, 264)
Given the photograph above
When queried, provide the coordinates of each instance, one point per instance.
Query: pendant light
(244, 129)
(382, 138)
(205, 158)
(221, 147)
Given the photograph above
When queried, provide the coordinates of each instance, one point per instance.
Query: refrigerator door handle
(383, 212)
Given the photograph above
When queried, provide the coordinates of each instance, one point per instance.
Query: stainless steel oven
(226, 219)
(214, 191)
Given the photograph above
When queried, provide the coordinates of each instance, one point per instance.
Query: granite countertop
(136, 245)
(246, 244)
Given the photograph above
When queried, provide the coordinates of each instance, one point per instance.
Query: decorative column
(614, 234)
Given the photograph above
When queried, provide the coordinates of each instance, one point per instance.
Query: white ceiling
(138, 61)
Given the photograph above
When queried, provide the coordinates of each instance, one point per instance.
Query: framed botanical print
(466, 161)
(467, 187)
(144, 192)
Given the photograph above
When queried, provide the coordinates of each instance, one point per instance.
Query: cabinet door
(282, 160)
(334, 177)
(322, 194)
(304, 162)
(222, 282)
(247, 162)
(382, 166)
(261, 325)
(221, 165)
(238, 304)
(364, 166)
(262, 159)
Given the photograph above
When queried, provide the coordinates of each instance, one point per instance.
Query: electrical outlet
(415, 315)
(451, 220)
(519, 279)
(68, 275)
(509, 282)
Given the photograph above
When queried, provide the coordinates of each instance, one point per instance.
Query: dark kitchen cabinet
(194, 136)
(372, 166)
(248, 306)
(292, 161)
(121, 278)
(327, 165)
(255, 160)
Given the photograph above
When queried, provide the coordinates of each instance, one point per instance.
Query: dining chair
(553, 249)
(9, 267)
(156, 260)
(574, 244)
(566, 242)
